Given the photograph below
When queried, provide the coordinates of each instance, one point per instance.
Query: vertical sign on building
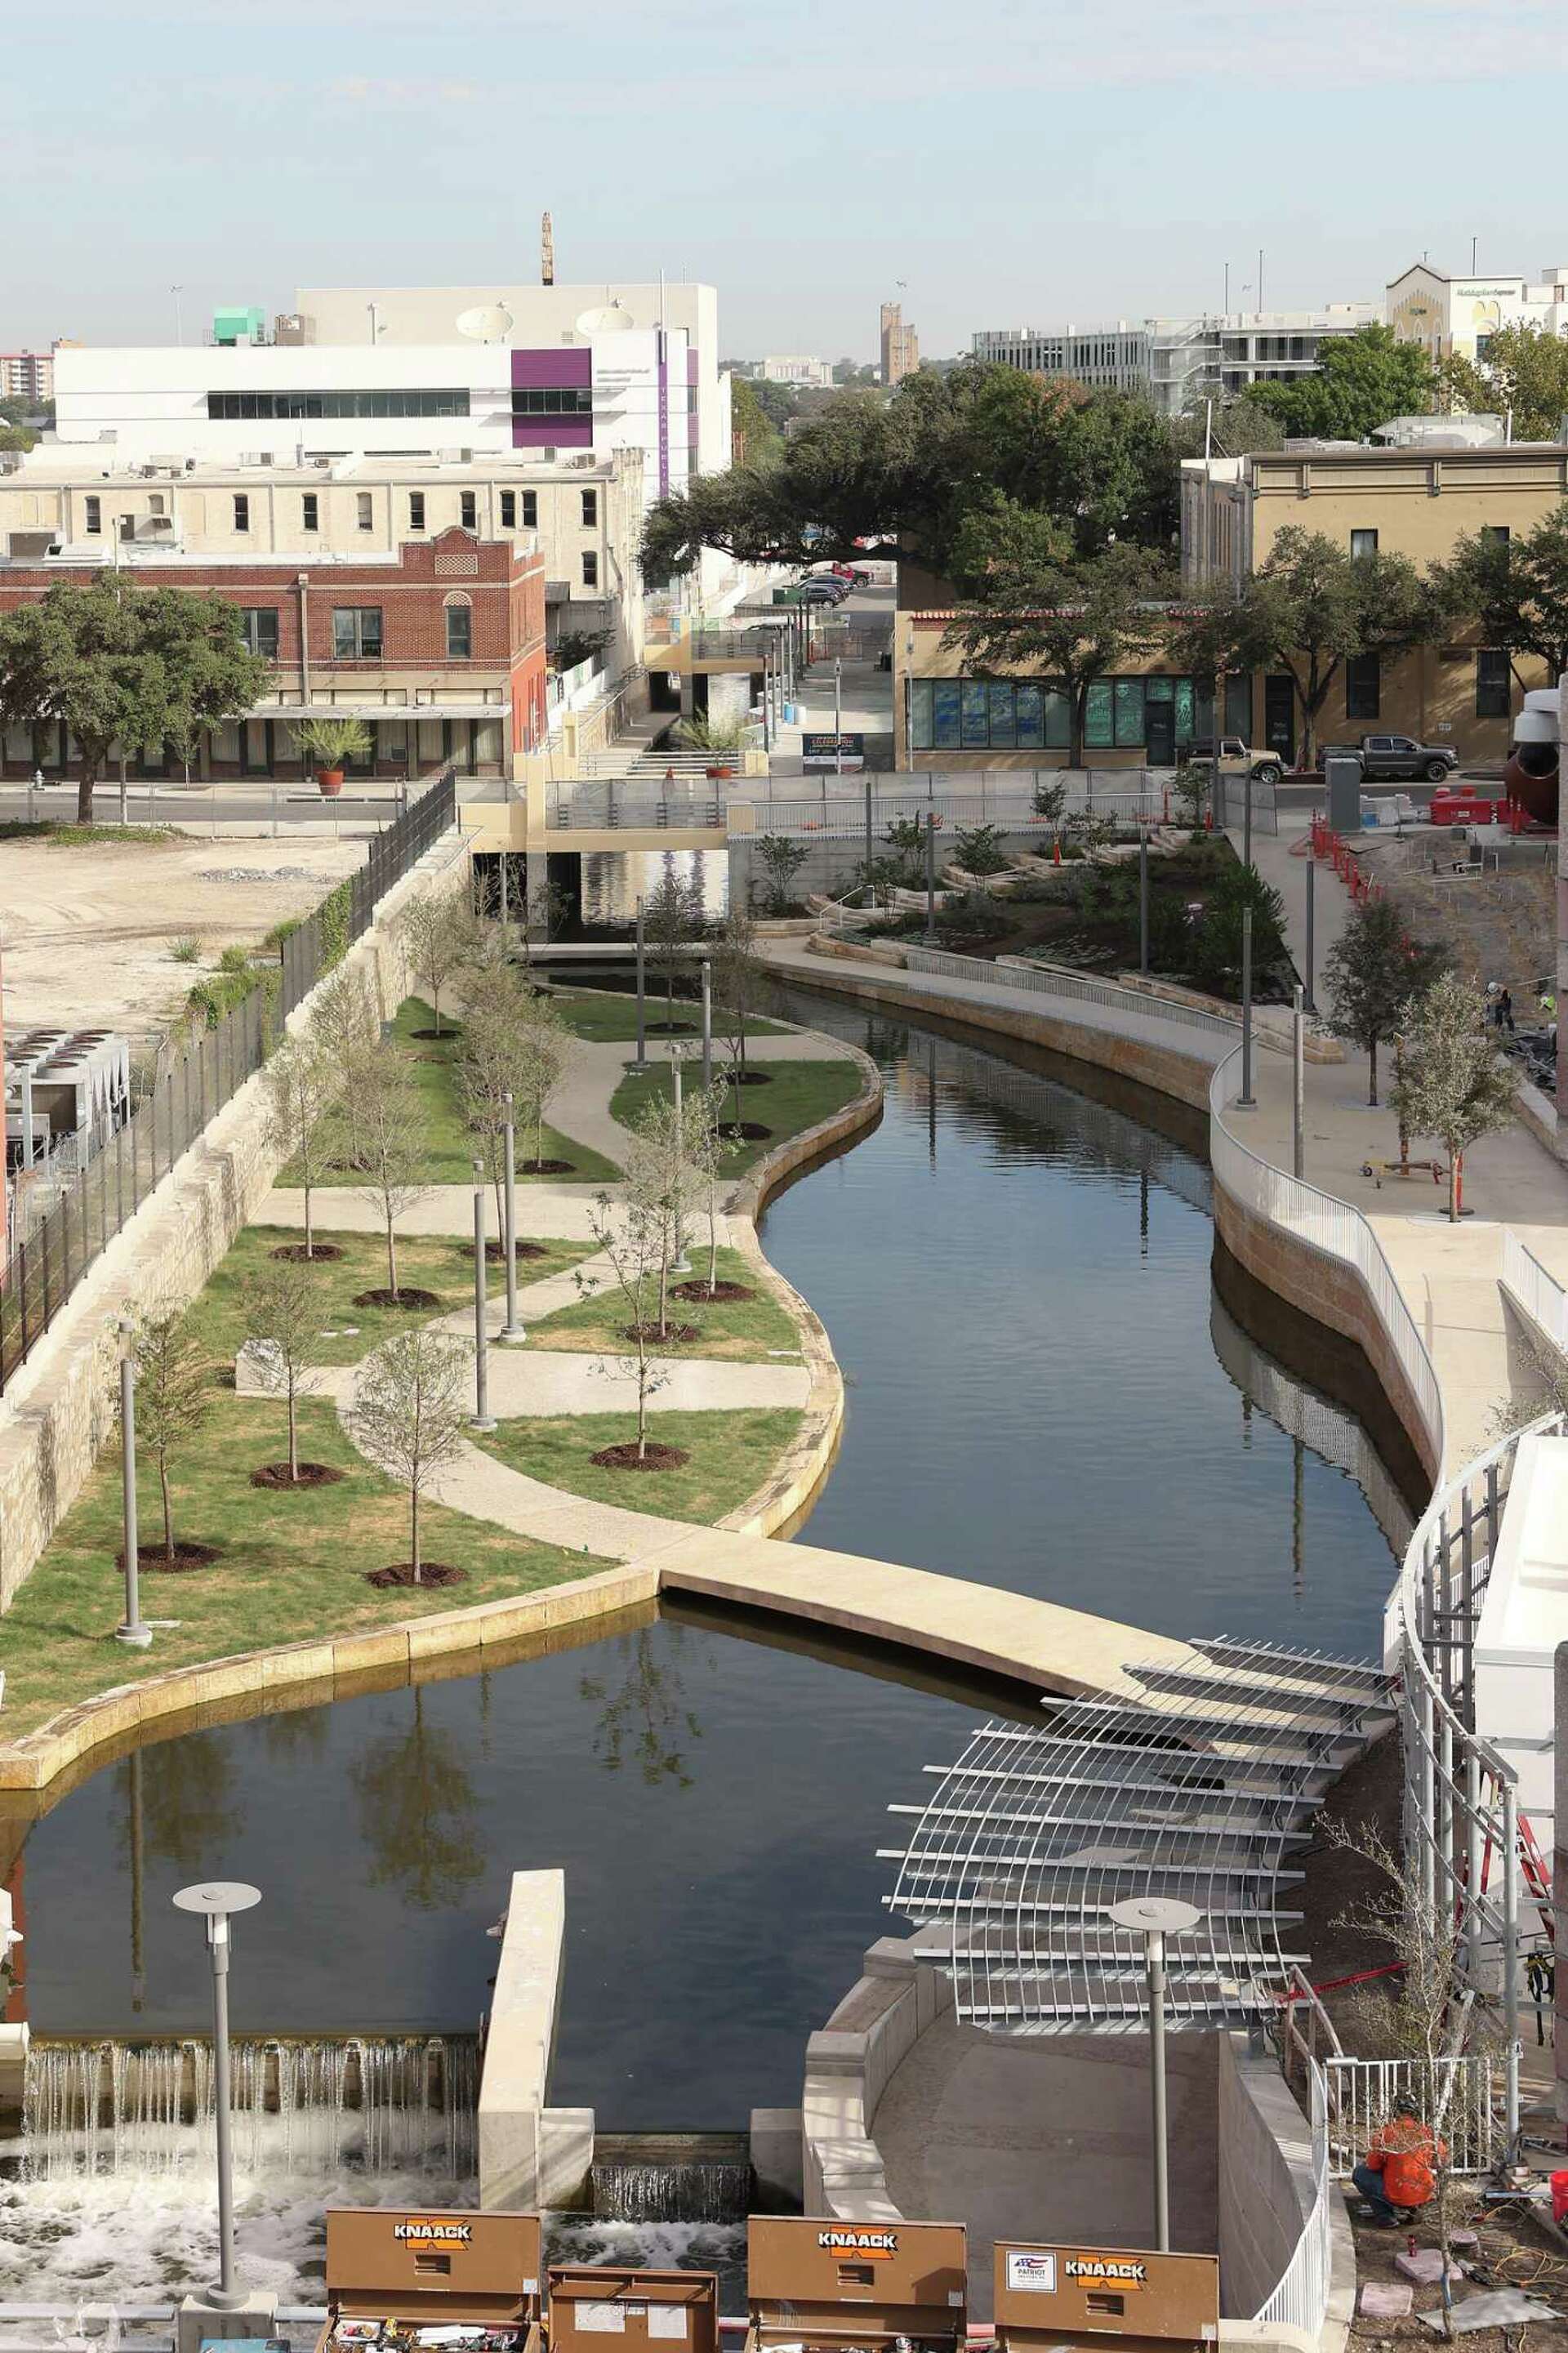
(663, 412)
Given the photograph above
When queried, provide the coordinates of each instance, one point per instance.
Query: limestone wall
(849, 2064)
(531, 2156)
(1267, 2192)
(59, 1409)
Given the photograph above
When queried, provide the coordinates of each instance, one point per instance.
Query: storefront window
(1058, 719)
(1238, 707)
(920, 714)
(1099, 718)
(1004, 727)
(1128, 710)
(1030, 716)
(944, 715)
(977, 714)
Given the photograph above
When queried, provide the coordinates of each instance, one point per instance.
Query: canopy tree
(1373, 971)
(1038, 608)
(1525, 371)
(1452, 1083)
(1308, 610)
(1360, 381)
(124, 665)
(1515, 590)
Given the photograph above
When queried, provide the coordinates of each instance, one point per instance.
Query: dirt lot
(1500, 926)
(86, 930)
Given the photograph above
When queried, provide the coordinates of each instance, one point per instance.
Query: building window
(366, 512)
(987, 714)
(416, 510)
(310, 511)
(237, 408)
(590, 509)
(459, 632)
(242, 509)
(1494, 697)
(356, 633)
(469, 510)
(155, 503)
(1099, 717)
(590, 568)
(509, 511)
(1496, 531)
(552, 400)
(1364, 542)
(1363, 686)
(94, 525)
(531, 509)
(258, 627)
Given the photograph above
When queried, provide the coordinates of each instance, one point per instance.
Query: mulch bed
(409, 1296)
(748, 1078)
(656, 1458)
(724, 1295)
(670, 1028)
(312, 1474)
(495, 1252)
(447, 1034)
(671, 1334)
(295, 1254)
(151, 1559)
(744, 1131)
(431, 1572)
(547, 1167)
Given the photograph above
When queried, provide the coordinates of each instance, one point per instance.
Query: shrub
(186, 951)
(1215, 953)
(980, 851)
(973, 915)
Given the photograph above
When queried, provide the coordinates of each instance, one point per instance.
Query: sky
(992, 162)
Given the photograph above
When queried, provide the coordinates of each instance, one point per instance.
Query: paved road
(243, 802)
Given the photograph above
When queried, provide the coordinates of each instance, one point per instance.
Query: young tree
(1453, 1083)
(438, 936)
(543, 1051)
(1360, 382)
(1308, 610)
(1038, 608)
(1372, 971)
(781, 861)
(282, 1312)
(708, 1149)
(342, 1031)
(173, 1396)
(300, 1087)
(513, 1044)
(408, 1414)
(630, 1236)
(122, 664)
(672, 920)
(739, 979)
(391, 1145)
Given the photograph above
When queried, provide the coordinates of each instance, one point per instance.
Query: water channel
(1044, 1392)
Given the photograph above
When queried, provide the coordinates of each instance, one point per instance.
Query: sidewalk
(868, 710)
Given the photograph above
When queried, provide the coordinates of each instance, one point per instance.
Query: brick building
(438, 646)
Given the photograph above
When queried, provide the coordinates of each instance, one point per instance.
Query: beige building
(581, 512)
(1458, 316)
(28, 376)
(900, 345)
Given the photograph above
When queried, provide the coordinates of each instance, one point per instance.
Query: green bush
(973, 915)
(1215, 957)
(333, 915)
(980, 851)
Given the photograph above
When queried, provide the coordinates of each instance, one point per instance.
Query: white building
(795, 368)
(28, 376)
(1175, 362)
(1458, 316)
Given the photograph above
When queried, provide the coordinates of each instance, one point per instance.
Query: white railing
(1334, 1227)
(1300, 2300)
(1129, 1003)
(1536, 1294)
(1460, 2098)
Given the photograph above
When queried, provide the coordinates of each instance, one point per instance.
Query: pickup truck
(1397, 759)
(1237, 759)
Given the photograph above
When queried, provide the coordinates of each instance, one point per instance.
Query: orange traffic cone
(1057, 852)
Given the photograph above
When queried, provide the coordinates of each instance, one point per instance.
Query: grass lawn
(799, 1094)
(430, 1262)
(604, 1018)
(451, 1157)
(291, 1568)
(745, 1332)
(732, 1454)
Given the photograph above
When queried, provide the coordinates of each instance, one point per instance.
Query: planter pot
(719, 771)
(331, 781)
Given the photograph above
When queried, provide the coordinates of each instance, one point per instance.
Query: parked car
(1238, 759)
(1397, 759)
(821, 591)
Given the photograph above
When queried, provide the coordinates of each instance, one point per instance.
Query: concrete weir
(531, 2156)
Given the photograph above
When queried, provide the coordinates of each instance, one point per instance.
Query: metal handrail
(1133, 1003)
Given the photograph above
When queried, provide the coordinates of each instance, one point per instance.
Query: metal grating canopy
(1200, 1785)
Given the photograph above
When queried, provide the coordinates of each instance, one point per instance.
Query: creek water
(1043, 1393)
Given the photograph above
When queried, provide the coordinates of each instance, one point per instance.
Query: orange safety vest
(1402, 2152)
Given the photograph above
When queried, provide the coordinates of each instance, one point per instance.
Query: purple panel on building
(691, 366)
(564, 368)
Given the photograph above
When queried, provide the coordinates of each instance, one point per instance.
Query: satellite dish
(611, 320)
(487, 322)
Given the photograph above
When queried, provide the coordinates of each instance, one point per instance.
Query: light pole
(1246, 1100)
(679, 1263)
(135, 1634)
(640, 1064)
(480, 1419)
(838, 716)
(1144, 900)
(511, 1331)
(707, 1024)
(1155, 1917)
(1299, 1097)
(1312, 882)
(216, 1903)
(931, 879)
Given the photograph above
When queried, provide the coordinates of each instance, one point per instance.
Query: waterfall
(372, 2103)
(658, 2190)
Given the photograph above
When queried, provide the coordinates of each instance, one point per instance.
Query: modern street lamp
(707, 1024)
(480, 1419)
(1246, 1100)
(1299, 1089)
(511, 1331)
(1155, 1917)
(641, 1062)
(217, 1902)
(931, 879)
(134, 1632)
(679, 1263)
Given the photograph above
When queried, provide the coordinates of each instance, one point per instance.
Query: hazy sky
(1012, 160)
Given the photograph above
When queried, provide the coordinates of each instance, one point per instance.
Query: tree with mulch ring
(288, 1476)
(547, 1167)
(495, 1251)
(718, 1294)
(744, 1131)
(174, 1398)
(674, 1334)
(409, 1414)
(749, 1078)
(303, 1254)
(409, 1296)
(420, 1573)
(282, 1306)
(670, 1028)
(173, 1560)
(641, 1455)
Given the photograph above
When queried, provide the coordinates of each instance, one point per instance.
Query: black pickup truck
(1397, 759)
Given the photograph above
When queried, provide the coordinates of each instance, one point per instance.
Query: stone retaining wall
(59, 1406)
(849, 2064)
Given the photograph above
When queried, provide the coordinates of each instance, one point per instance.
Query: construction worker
(1395, 2175)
